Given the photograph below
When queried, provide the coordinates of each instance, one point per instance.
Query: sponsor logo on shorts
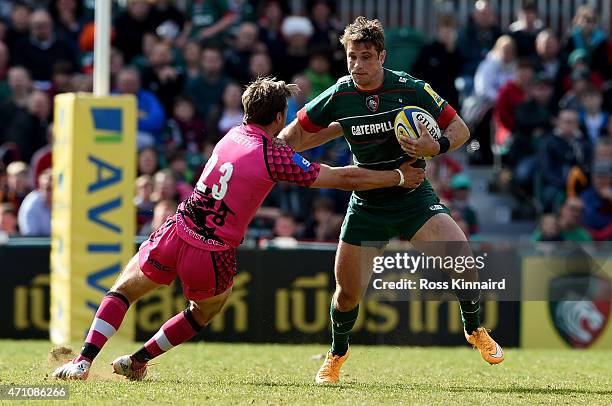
(158, 265)
(436, 207)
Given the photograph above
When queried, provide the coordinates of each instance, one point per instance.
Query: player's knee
(197, 314)
(203, 314)
(346, 300)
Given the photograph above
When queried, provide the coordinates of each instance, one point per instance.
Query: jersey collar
(253, 129)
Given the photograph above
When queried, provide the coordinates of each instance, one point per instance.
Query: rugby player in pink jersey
(198, 243)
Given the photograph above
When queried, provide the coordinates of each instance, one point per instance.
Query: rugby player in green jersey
(363, 106)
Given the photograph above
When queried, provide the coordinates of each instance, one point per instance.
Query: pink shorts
(203, 273)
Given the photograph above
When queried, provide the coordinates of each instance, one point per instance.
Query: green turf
(284, 374)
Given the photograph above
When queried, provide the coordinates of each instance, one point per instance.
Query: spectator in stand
(191, 55)
(285, 226)
(143, 202)
(318, 73)
(295, 103)
(259, 65)
(593, 120)
(187, 130)
(162, 210)
(177, 164)
(151, 117)
(511, 95)
(61, 78)
(561, 150)
(35, 211)
(297, 31)
(69, 20)
(244, 45)
(476, 39)
(569, 221)
(8, 220)
(41, 50)
(19, 88)
(207, 89)
(19, 27)
(533, 120)
(162, 78)
(270, 22)
(548, 229)
(147, 162)
(326, 27)
(143, 60)
(526, 28)
(18, 184)
(461, 186)
(597, 216)
(580, 81)
(578, 63)
(440, 63)
(130, 27)
(497, 69)
(586, 35)
(28, 128)
(208, 21)
(323, 224)
(548, 60)
(326, 35)
(82, 83)
(164, 187)
(227, 115)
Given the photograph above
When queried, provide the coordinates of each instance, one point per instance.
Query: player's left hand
(426, 145)
(278, 142)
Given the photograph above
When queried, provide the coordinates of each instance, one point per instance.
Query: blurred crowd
(538, 104)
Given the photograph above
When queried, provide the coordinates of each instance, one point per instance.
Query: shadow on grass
(428, 388)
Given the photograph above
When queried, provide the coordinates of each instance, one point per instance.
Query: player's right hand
(413, 177)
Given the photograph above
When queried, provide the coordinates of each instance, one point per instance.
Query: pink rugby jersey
(242, 170)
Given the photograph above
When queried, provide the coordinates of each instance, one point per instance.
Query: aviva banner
(578, 292)
(92, 224)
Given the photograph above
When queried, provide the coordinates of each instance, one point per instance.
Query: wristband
(401, 174)
(444, 144)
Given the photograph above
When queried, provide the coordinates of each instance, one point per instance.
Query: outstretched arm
(300, 140)
(354, 178)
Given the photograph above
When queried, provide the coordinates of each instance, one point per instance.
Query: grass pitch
(206, 373)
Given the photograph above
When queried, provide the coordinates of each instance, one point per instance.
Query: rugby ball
(406, 124)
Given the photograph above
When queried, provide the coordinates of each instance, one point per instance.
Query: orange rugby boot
(490, 351)
(330, 370)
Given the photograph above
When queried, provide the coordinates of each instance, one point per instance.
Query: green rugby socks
(342, 324)
(470, 314)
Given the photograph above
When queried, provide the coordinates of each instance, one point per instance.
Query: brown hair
(364, 31)
(264, 98)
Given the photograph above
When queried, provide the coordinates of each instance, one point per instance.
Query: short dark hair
(364, 31)
(264, 98)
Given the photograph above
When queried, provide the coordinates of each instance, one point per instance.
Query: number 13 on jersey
(218, 190)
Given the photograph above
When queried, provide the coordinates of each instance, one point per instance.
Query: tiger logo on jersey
(372, 103)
